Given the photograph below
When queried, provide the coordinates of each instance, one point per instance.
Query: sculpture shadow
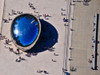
(48, 38)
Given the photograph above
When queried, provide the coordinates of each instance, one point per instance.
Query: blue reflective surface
(25, 29)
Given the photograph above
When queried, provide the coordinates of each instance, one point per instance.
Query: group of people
(12, 50)
(7, 41)
(62, 14)
(31, 6)
(6, 20)
(53, 60)
(2, 37)
(55, 54)
(19, 59)
(40, 71)
(73, 69)
(31, 54)
(14, 12)
(46, 16)
(94, 54)
(51, 49)
(17, 52)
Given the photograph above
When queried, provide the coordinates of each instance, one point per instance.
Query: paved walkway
(43, 61)
(82, 37)
(1, 12)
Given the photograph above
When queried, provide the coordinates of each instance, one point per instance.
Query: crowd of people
(13, 12)
(8, 42)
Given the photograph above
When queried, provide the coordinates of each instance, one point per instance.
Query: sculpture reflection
(25, 30)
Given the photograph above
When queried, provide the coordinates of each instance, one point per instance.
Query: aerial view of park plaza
(49, 37)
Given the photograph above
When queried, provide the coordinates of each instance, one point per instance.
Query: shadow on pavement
(48, 38)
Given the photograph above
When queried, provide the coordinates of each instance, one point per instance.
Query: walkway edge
(2, 12)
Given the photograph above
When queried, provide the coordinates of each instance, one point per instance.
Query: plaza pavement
(81, 38)
(8, 65)
(1, 12)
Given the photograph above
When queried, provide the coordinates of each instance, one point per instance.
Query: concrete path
(1, 13)
(82, 37)
(43, 61)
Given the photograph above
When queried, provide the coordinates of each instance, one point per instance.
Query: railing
(95, 42)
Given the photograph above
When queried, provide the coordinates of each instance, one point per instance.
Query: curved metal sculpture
(25, 31)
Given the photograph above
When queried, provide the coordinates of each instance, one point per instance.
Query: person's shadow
(48, 37)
